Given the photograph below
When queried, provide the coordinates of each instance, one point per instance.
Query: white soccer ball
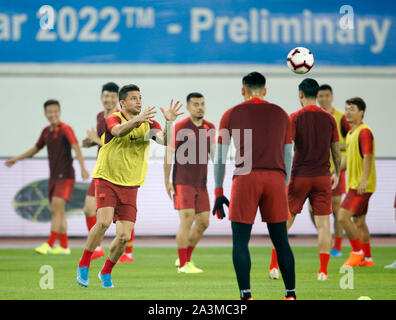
(300, 60)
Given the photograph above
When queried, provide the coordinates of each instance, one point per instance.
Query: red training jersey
(313, 131)
(58, 142)
(271, 130)
(193, 170)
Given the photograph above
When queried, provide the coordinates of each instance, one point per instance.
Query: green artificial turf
(153, 276)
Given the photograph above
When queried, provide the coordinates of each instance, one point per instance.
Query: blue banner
(198, 31)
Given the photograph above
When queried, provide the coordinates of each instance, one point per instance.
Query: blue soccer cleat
(335, 253)
(82, 276)
(106, 280)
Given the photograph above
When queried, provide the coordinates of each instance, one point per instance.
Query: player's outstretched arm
(93, 138)
(123, 129)
(80, 158)
(167, 170)
(28, 154)
(219, 174)
(336, 155)
(170, 115)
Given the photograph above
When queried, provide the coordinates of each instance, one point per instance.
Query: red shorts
(62, 188)
(190, 197)
(264, 189)
(341, 188)
(122, 199)
(316, 189)
(356, 203)
(91, 189)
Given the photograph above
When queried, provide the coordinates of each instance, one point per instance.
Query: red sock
(190, 250)
(366, 249)
(108, 266)
(182, 256)
(337, 243)
(324, 261)
(52, 238)
(129, 245)
(356, 246)
(274, 260)
(63, 240)
(91, 221)
(85, 259)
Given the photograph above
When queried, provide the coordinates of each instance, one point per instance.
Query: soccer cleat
(391, 266)
(289, 298)
(82, 276)
(43, 249)
(177, 262)
(354, 260)
(335, 253)
(367, 263)
(106, 280)
(274, 274)
(193, 268)
(60, 251)
(99, 252)
(124, 259)
(322, 276)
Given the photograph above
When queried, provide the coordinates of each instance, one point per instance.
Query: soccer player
(59, 139)
(314, 132)
(325, 100)
(193, 139)
(120, 169)
(359, 161)
(109, 99)
(261, 134)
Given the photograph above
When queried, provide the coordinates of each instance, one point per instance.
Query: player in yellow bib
(360, 165)
(120, 170)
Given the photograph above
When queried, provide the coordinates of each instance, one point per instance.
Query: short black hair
(50, 102)
(254, 80)
(125, 89)
(309, 87)
(325, 87)
(111, 87)
(359, 102)
(194, 95)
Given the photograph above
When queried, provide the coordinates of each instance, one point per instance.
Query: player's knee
(103, 225)
(124, 237)
(204, 225)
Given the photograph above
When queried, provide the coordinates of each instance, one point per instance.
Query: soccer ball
(300, 60)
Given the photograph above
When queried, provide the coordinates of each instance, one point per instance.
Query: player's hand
(147, 115)
(173, 112)
(85, 174)
(218, 209)
(92, 135)
(86, 143)
(362, 187)
(335, 179)
(10, 162)
(170, 189)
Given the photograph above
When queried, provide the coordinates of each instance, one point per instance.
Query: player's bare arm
(367, 160)
(93, 138)
(336, 155)
(28, 154)
(170, 115)
(123, 129)
(343, 163)
(79, 156)
(167, 170)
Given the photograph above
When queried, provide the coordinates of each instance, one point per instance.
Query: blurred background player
(197, 136)
(261, 135)
(360, 164)
(393, 265)
(325, 99)
(59, 139)
(109, 99)
(120, 170)
(314, 132)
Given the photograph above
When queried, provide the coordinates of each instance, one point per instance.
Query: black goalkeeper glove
(218, 210)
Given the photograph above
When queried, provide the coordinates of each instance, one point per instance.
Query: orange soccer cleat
(98, 253)
(354, 260)
(367, 263)
(124, 258)
(290, 298)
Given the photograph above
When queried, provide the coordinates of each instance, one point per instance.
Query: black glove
(218, 210)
